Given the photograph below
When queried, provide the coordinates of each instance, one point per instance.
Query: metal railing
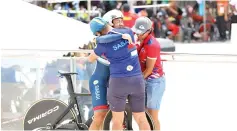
(79, 11)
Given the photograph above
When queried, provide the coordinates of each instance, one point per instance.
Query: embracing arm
(108, 38)
(92, 57)
(98, 51)
(113, 37)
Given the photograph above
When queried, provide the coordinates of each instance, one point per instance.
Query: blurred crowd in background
(182, 21)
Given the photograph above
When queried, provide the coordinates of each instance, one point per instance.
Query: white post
(89, 8)
(154, 8)
(73, 69)
(38, 81)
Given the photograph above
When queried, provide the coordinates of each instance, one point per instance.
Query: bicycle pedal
(83, 126)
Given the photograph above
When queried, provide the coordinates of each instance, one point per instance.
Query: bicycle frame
(73, 102)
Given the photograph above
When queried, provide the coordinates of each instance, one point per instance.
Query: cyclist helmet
(97, 24)
(111, 15)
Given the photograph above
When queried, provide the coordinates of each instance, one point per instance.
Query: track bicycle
(53, 114)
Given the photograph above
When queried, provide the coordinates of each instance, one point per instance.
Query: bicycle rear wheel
(107, 124)
(45, 112)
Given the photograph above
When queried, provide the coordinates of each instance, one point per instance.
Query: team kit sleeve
(153, 51)
(108, 38)
(99, 49)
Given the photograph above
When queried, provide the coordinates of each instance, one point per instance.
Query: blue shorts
(98, 84)
(98, 89)
(154, 90)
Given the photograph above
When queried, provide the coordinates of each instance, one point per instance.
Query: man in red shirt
(150, 60)
(129, 17)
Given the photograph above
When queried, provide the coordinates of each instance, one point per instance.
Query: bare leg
(98, 120)
(154, 115)
(117, 119)
(141, 120)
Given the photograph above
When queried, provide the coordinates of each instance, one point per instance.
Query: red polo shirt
(129, 19)
(150, 48)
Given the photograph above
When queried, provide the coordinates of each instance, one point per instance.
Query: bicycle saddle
(64, 73)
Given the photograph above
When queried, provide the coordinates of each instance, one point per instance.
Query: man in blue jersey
(125, 74)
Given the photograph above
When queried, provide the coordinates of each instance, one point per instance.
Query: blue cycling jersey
(123, 61)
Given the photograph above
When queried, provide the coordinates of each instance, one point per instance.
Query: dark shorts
(120, 88)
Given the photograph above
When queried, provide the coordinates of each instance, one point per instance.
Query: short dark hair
(126, 7)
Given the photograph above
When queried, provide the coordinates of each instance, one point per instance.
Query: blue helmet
(97, 24)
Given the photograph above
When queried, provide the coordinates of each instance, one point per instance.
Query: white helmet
(111, 15)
